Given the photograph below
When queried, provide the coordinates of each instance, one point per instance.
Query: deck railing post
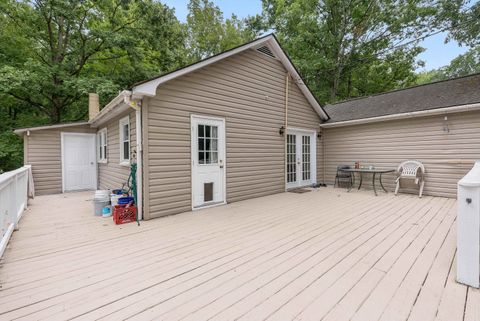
(13, 201)
(468, 228)
(15, 211)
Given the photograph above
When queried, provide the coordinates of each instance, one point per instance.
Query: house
(213, 132)
(243, 124)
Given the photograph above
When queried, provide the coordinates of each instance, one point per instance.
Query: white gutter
(422, 113)
(23, 130)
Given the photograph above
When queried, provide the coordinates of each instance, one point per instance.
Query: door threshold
(208, 205)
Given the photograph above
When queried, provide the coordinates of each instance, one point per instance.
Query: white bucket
(100, 200)
(102, 194)
(114, 198)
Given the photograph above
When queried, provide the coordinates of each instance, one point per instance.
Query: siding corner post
(287, 79)
(145, 159)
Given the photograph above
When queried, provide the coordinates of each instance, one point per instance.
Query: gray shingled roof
(447, 93)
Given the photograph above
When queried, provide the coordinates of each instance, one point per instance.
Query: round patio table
(374, 173)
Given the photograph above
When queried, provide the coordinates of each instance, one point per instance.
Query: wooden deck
(325, 254)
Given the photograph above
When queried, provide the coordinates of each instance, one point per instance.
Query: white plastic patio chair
(411, 170)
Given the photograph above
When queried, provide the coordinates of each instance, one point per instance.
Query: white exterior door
(301, 158)
(79, 166)
(208, 161)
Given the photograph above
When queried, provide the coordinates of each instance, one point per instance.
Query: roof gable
(267, 45)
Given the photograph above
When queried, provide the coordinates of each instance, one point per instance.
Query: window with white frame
(102, 145)
(124, 127)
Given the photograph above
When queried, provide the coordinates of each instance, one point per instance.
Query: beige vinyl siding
(43, 151)
(447, 156)
(112, 175)
(248, 90)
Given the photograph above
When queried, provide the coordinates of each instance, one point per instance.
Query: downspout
(324, 152)
(137, 106)
(138, 128)
(287, 78)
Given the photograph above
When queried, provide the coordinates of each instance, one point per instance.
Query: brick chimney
(93, 105)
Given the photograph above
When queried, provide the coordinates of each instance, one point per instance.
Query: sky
(437, 53)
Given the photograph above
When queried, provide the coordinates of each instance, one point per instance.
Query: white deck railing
(14, 192)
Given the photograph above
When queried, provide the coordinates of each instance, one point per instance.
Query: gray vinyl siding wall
(447, 156)
(112, 175)
(43, 150)
(248, 90)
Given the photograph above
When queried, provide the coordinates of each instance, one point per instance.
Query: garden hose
(132, 183)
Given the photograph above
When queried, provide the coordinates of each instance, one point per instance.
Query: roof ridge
(402, 89)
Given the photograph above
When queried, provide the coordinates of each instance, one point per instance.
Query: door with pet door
(208, 161)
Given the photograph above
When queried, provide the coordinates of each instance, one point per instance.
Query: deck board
(326, 254)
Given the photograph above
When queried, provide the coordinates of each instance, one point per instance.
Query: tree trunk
(349, 85)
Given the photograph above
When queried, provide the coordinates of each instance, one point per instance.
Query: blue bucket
(125, 200)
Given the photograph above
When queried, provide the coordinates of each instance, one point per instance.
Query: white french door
(208, 161)
(301, 158)
(79, 162)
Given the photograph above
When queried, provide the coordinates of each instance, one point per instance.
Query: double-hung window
(124, 127)
(102, 145)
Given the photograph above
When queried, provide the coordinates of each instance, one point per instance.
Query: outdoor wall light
(281, 131)
(445, 125)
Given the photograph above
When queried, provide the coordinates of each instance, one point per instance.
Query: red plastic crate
(123, 214)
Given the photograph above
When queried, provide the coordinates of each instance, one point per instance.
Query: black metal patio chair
(343, 177)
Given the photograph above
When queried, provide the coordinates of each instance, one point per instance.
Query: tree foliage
(73, 47)
(465, 64)
(337, 43)
(209, 33)
(461, 18)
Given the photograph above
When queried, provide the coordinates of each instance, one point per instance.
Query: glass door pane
(291, 158)
(306, 158)
(207, 144)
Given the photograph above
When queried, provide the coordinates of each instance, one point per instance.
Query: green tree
(461, 18)
(209, 33)
(77, 46)
(346, 48)
(429, 76)
(465, 64)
